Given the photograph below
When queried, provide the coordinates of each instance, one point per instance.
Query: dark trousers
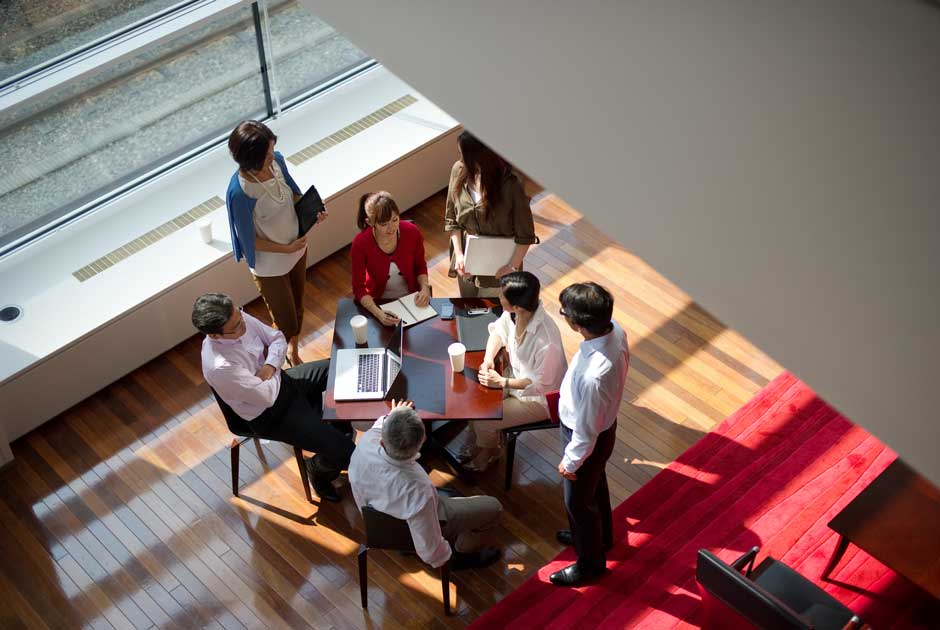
(587, 501)
(296, 418)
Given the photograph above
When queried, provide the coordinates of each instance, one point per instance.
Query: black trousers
(587, 501)
(296, 418)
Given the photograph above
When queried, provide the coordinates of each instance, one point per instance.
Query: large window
(96, 133)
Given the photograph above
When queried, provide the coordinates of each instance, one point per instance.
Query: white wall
(778, 160)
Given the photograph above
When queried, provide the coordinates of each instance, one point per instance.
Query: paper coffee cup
(456, 351)
(360, 326)
(205, 230)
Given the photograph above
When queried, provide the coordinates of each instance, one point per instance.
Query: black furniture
(242, 428)
(771, 596)
(510, 434)
(387, 532)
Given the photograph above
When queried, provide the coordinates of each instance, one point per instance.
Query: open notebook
(409, 312)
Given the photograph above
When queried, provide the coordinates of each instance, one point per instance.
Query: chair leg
(299, 454)
(510, 457)
(445, 585)
(364, 575)
(234, 451)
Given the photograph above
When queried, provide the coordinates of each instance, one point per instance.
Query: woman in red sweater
(387, 257)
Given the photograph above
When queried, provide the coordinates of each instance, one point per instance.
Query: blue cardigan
(241, 209)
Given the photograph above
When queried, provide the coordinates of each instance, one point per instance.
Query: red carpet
(771, 475)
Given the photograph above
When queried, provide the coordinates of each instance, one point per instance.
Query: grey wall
(780, 161)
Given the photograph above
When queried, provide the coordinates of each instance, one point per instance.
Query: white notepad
(409, 312)
(484, 255)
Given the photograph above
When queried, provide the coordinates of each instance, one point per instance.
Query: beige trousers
(515, 412)
(465, 520)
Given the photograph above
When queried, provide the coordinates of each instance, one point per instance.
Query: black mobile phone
(447, 310)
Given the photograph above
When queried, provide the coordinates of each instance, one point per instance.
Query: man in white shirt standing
(588, 403)
(241, 361)
(384, 474)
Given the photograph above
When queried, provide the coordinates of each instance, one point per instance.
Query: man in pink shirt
(241, 361)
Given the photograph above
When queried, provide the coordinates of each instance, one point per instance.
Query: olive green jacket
(510, 217)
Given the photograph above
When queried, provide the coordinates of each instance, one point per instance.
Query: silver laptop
(368, 373)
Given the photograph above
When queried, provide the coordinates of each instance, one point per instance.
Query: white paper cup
(205, 230)
(456, 351)
(360, 327)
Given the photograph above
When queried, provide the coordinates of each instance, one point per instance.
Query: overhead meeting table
(439, 394)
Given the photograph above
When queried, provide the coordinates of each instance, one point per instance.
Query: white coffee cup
(360, 326)
(456, 351)
(205, 230)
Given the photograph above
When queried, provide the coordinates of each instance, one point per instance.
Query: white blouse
(540, 357)
(275, 220)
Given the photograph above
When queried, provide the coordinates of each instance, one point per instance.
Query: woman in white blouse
(537, 364)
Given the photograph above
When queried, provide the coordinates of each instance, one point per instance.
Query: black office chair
(771, 596)
(510, 434)
(242, 428)
(387, 532)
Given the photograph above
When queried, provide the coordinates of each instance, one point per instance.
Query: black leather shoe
(474, 560)
(325, 490)
(564, 537)
(571, 575)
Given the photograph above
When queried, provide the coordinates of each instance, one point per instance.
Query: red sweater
(370, 264)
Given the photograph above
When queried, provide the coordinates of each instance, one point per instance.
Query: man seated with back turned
(385, 475)
(241, 361)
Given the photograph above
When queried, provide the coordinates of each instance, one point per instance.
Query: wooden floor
(119, 513)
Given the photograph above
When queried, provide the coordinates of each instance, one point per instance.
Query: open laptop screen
(396, 342)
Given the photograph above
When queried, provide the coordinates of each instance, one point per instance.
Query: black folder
(473, 330)
(308, 208)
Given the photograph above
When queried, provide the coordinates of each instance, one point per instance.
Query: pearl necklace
(281, 195)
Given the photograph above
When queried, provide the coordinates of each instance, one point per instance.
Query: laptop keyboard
(370, 373)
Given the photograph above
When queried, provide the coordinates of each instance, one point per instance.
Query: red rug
(771, 475)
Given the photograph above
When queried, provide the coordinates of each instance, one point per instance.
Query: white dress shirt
(230, 365)
(540, 357)
(591, 392)
(399, 488)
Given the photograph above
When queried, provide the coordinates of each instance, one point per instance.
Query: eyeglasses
(239, 327)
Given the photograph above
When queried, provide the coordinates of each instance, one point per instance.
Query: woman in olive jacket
(485, 198)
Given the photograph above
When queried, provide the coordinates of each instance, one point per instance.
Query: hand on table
(386, 319)
(491, 378)
(424, 297)
(398, 404)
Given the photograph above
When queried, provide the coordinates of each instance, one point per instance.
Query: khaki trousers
(515, 412)
(465, 520)
(284, 297)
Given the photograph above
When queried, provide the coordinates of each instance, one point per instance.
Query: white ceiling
(780, 161)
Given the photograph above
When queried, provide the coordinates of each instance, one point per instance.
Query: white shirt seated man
(384, 474)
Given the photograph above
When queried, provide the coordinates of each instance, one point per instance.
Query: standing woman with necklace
(485, 198)
(387, 257)
(537, 364)
(264, 227)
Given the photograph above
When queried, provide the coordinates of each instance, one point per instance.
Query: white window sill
(59, 311)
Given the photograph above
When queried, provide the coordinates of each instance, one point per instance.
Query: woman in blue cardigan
(261, 217)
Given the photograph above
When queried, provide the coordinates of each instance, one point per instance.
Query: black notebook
(473, 330)
(308, 208)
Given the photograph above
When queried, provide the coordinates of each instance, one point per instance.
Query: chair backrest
(386, 532)
(552, 399)
(744, 596)
(236, 424)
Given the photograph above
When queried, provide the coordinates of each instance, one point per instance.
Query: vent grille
(349, 131)
(161, 231)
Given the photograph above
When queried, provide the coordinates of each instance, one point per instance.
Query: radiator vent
(129, 249)
(349, 131)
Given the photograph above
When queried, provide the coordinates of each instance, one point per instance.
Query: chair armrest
(747, 560)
